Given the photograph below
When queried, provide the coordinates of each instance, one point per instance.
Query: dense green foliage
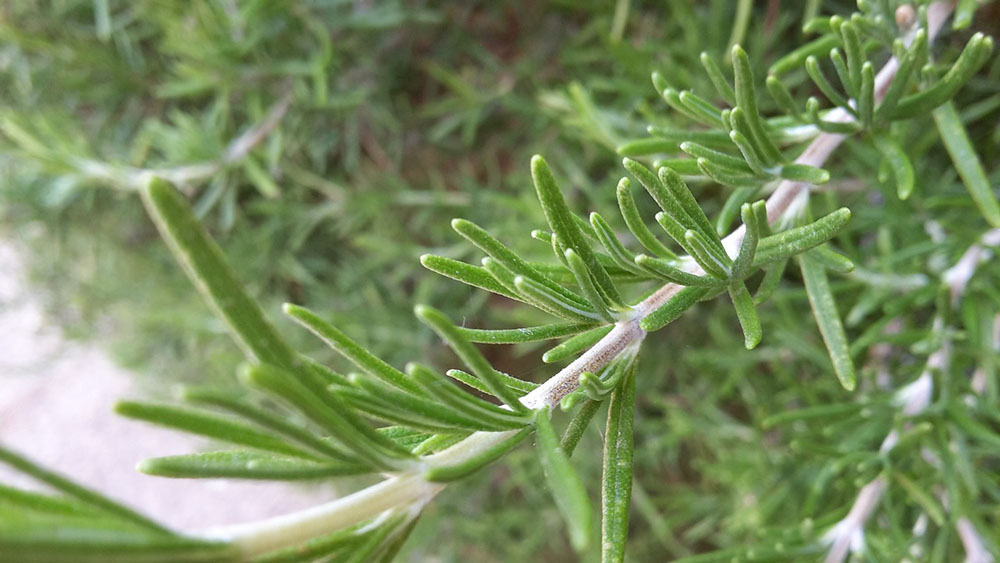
(757, 425)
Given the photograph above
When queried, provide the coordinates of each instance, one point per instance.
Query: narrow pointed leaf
(899, 163)
(616, 488)
(526, 334)
(587, 285)
(465, 273)
(636, 225)
(470, 355)
(673, 308)
(746, 99)
(246, 465)
(706, 256)
(722, 86)
(83, 494)
(563, 224)
(577, 344)
(578, 425)
(830, 327)
(973, 57)
(751, 236)
(547, 300)
(209, 425)
(350, 349)
(465, 403)
(668, 272)
(621, 255)
(567, 488)
(206, 267)
(966, 161)
(799, 239)
(746, 311)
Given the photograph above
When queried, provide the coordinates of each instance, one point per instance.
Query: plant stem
(410, 489)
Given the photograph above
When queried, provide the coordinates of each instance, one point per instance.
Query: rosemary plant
(921, 455)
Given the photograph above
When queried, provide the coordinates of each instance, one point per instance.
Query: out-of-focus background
(326, 145)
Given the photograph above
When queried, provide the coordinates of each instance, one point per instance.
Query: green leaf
(673, 308)
(567, 488)
(616, 480)
(83, 494)
(830, 327)
(330, 413)
(712, 261)
(526, 334)
(714, 73)
(520, 386)
(246, 465)
(899, 163)
(751, 236)
(782, 96)
(586, 283)
(799, 239)
(264, 418)
(866, 99)
(816, 74)
(470, 355)
(746, 311)
(795, 59)
(465, 403)
(507, 258)
(635, 223)
(561, 219)
(350, 349)
(578, 425)
(973, 57)
(927, 502)
(577, 344)
(547, 300)
(621, 255)
(684, 197)
(967, 162)
(746, 100)
(668, 272)
(466, 273)
(477, 461)
(206, 266)
(803, 173)
(209, 425)
(911, 59)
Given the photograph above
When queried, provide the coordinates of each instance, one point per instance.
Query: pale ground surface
(55, 406)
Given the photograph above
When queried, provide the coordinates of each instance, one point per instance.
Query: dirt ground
(55, 407)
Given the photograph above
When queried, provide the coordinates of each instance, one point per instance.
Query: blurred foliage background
(327, 144)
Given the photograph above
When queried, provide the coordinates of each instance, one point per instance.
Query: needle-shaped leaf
(831, 260)
(707, 113)
(751, 236)
(803, 173)
(510, 260)
(350, 349)
(635, 223)
(616, 250)
(689, 204)
(781, 95)
(207, 269)
(668, 272)
(899, 163)
(468, 466)
(866, 97)
(577, 344)
(966, 161)
(211, 426)
(588, 287)
(838, 127)
(470, 355)
(264, 418)
(831, 93)
(567, 488)
(795, 59)
(799, 239)
(722, 86)
(539, 295)
(768, 285)
(563, 224)
(717, 158)
(431, 411)
(830, 326)
(328, 411)
(910, 60)
(466, 403)
(840, 65)
(854, 54)
(616, 479)
(466, 273)
(519, 386)
(83, 494)
(727, 177)
(246, 465)
(526, 334)
(974, 56)
(673, 308)
(710, 259)
(746, 312)
(578, 425)
(746, 100)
